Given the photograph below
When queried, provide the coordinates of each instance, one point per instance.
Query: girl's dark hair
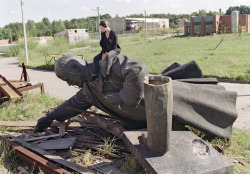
(104, 23)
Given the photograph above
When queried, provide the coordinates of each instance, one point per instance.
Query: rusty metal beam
(24, 74)
(27, 88)
(34, 159)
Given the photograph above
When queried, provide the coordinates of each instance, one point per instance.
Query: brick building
(215, 24)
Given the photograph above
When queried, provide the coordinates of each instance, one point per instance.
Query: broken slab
(188, 154)
(41, 137)
(63, 143)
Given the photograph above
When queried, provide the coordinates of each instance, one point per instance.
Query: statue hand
(43, 123)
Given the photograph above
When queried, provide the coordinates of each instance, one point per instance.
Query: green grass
(131, 166)
(238, 148)
(231, 59)
(31, 106)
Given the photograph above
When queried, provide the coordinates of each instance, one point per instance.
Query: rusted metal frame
(24, 74)
(5, 93)
(50, 59)
(27, 88)
(34, 159)
(80, 55)
(11, 86)
(56, 56)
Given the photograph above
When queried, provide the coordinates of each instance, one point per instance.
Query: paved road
(58, 88)
(53, 85)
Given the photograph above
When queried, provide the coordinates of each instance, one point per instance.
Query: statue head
(72, 69)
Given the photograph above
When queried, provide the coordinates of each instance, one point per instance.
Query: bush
(15, 50)
(37, 52)
(173, 25)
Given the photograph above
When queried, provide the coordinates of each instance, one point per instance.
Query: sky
(10, 10)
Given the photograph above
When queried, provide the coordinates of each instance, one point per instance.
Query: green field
(231, 59)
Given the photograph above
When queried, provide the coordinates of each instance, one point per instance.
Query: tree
(66, 24)
(105, 16)
(46, 22)
(31, 27)
(136, 16)
(16, 30)
(242, 9)
(57, 26)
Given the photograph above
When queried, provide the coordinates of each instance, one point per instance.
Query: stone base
(188, 154)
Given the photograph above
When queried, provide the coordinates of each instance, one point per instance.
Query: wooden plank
(61, 129)
(63, 143)
(55, 158)
(9, 92)
(32, 124)
(27, 88)
(18, 123)
(41, 137)
(16, 84)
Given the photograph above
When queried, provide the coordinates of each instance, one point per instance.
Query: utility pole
(24, 35)
(145, 23)
(98, 9)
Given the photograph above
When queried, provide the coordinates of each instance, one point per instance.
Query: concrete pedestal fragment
(187, 154)
(158, 95)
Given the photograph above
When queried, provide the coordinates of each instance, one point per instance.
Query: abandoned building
(217, 24)
(129, 25)
(74, 35)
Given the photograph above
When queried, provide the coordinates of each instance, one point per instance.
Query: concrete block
(188, 154)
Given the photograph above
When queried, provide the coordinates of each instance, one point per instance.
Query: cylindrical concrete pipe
(158, 95)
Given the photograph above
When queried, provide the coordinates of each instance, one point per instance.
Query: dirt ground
(56, 87)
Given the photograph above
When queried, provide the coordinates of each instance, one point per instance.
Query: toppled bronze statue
(198, 102)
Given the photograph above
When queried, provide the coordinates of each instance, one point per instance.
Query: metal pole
(24, 35)
(145, 23)
(99, 30)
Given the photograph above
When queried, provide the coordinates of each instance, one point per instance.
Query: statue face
(71, 69)
(74, 79)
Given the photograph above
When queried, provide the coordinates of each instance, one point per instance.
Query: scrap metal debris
(75, 138)
(14, 88)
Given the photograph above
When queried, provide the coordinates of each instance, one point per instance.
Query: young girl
(110, 48)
